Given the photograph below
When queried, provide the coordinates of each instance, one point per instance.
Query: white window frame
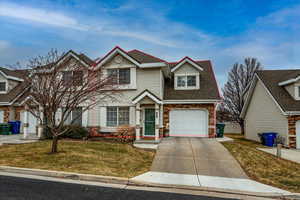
(186, 87)
(297, 95)
(6, 87)
(118, 107)
(133, 77)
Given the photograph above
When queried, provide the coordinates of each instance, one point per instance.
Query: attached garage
(188, 123)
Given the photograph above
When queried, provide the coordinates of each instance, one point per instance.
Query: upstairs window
(2, 86)
(186, 82)
(73, 77)
(120, 76)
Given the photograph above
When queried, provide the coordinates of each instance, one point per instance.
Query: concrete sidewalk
(17, 139)
(224, 183)
(198, 156)
(288, 154)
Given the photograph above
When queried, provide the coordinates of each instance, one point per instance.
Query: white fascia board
(148, 95)
(289, 81)
(11, 77)
(112, 54)
(73, 55)
(249, 95)
(150, 65)
(27, 98)
(192, 101)
(188, 61)
(292, 113)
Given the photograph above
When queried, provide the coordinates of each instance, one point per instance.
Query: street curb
(66, 175)
(129, 182)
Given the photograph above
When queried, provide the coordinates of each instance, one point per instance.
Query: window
(120, 76)
(186, 81)
(117, 116)
(75, 117)
(191, 81)
(2, 86)
(72, 77)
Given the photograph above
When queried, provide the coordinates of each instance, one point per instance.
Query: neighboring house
(273, 105)
(231, 127)
(15, 91)
(155, 96)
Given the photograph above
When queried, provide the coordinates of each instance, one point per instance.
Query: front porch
(148, 117)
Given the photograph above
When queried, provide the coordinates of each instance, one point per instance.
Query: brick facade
(6, 113)
(209, 107)
(292, 130)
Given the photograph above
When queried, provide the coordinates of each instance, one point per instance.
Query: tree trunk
(54, 144)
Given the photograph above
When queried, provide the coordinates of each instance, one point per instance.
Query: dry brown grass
(264, 167)
(99, 157)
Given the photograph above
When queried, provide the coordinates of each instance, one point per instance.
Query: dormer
(186, 74)
(8, 80)
(292, 86)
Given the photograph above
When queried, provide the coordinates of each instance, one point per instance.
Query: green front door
(149, 122)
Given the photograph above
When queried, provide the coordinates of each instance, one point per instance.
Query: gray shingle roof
(208, 86)
(271, 78)
(142, 57)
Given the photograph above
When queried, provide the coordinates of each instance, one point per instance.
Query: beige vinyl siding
(263, 115)
(291, 89)
(149, 79)
(186, 68)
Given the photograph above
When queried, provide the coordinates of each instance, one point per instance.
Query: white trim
(293, 80)
(192, 101)
(76, 57)
(27, 98)
(143, 65)
(296, 92)
(117, 50)
(144, 94)
(184, 61)
(6, 87)
(11, 77)
(186, 87)
(149, 65)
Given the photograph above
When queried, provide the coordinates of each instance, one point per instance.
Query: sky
(224, 31)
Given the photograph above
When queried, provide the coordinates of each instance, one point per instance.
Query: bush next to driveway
(264, 167)
(89, 157)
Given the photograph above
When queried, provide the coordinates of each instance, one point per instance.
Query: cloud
(150, 26)
(39, 16)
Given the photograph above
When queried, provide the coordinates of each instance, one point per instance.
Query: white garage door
(188, 123)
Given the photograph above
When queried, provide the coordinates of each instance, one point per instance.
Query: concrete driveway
(197, 156)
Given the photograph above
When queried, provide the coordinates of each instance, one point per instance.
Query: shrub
(125, 134)
(75, 132)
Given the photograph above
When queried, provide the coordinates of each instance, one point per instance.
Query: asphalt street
(12, 188)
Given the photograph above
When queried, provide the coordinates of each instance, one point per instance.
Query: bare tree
(238, 82)
(59, 84)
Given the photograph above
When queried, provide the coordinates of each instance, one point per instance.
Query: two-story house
(155, 97)
(273, 105)
(175, 98)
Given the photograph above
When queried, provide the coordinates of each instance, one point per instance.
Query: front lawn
(264, 167)
(89, 157)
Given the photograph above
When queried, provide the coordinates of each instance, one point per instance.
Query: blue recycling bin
(15, 126)
(18, 126)
(269, 138)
